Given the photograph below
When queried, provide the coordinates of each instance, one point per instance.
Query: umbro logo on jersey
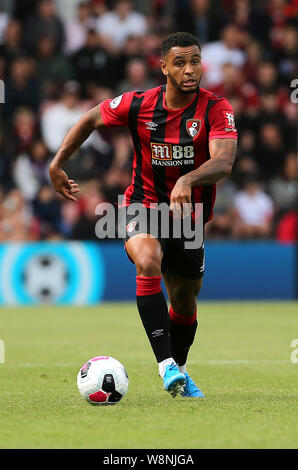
(151, 125)
(193, 126)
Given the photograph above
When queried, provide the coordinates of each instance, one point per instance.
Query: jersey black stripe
(185, 138)
(138, 189)
(208, 189)
(160, 116)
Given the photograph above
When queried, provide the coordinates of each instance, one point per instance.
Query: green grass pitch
(240, 359)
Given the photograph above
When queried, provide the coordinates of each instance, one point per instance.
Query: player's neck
(175, 99)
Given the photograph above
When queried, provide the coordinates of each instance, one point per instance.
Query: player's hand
(180, 202)
(62, 185)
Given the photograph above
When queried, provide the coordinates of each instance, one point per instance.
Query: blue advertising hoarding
(84, 273)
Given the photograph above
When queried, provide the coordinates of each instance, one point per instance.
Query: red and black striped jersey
(169, 143)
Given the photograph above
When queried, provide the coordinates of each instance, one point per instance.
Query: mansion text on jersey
(172, 155)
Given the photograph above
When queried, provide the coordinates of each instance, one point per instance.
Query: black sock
(181, 339)
(153, 311)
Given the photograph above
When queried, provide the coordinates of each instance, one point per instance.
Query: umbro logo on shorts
(157, 333)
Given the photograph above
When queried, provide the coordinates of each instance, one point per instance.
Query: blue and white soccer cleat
(190, 388)
(173, 380)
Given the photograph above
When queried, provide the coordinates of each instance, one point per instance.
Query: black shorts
(186, 262)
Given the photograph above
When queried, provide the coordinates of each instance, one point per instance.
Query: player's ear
(163, 66)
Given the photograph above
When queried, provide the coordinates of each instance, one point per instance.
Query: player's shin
(153, 311)
(182, 330)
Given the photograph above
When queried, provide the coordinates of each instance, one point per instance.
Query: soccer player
(184, 141)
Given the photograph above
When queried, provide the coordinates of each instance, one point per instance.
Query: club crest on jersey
(193, 127)
(131, 226)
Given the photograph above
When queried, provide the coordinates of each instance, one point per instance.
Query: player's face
(183, 68)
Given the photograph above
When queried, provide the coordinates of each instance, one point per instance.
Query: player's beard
(179, 87)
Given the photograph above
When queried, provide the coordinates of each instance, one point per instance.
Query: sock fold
(148, 285)
(182, 319)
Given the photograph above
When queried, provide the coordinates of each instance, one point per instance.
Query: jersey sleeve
(115, 111)
(221, 121)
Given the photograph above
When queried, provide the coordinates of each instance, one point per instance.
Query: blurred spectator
(76, 30)
(12, 46)
(70, 213)
(32, 169)
(117, 178)
(84, 228)
(151, 45)
(67, 9)
(5, 167)
(44, 22)
(65, 112)
(15, 219)
(24, 130)
(136, 77)
(268, 82)
(47, 211)
(254, 52)
(22, 10)
(287, 55)
(203, 18)
(22, 89)
(4, 18)
(120, 23)
(233, 84)
(283, 188)
(52, 67)
(92, 63)
(216, 54)
(253, 212)
(271, 151)
(244, 168)
(287, 228)
(221, 224)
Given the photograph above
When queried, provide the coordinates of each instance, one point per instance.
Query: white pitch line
(197, 363)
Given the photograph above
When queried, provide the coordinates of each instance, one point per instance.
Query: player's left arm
(222, 157)
(222, 138)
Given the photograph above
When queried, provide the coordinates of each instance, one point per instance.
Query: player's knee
(184, 307)
(148, 265)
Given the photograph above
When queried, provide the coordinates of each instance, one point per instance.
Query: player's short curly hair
(179, 39)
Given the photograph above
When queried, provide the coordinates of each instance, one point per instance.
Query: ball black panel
(108, 384)
(114, 397)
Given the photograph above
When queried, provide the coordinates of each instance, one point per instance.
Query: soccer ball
(102, 381)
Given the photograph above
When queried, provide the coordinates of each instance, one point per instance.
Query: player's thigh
(145, 251)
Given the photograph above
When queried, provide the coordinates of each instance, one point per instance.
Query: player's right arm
(72, 141)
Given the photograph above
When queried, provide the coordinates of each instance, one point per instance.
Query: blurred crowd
(58, 58)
